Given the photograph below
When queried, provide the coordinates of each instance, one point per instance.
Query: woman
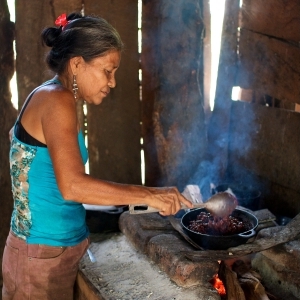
(48, 233)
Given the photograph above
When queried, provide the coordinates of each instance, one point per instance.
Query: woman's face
(97, 77)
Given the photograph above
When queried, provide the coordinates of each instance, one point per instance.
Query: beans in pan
(206, 223)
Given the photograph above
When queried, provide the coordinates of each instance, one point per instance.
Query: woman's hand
(168, 200)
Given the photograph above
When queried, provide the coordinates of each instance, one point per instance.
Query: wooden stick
(249, 281)
(231, 283)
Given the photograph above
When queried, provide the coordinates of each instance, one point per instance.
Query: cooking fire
(217, 283)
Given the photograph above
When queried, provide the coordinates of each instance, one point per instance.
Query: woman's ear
(75, 63)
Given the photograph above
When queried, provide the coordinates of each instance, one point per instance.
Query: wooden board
(114, 126)
(265, 142)
(270, 66)
(84, 289)
(264, 139)
(174, 118)
(275, 18)
(31, 18)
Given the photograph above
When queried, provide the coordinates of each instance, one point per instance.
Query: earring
(75, 87)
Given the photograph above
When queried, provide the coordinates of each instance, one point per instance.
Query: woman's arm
(59, 124)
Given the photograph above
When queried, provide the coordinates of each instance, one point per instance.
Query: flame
(218, 285)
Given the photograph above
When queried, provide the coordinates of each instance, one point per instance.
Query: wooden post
(7, 117)
(219, 124)
(173, 113)
(150, 84)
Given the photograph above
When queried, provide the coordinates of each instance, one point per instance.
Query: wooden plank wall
(264, 154)
(31, 18)
(269, 47)
(114, 126)
(264, 137)
(174, 128)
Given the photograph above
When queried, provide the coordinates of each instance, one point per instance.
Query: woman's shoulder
(54, 94)
(54, 101)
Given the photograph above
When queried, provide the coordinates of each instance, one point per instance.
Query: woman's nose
(112, 82)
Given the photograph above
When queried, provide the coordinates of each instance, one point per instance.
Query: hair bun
(49, 35)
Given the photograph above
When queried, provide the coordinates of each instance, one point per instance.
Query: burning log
(230, 280)
(240, 282)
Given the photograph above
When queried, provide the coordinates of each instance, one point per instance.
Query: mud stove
(266, 267)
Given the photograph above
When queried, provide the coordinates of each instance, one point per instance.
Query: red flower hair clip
(61, 20)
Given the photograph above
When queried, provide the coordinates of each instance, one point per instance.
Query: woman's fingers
(168, 200)
(172, 202)
(185, 201)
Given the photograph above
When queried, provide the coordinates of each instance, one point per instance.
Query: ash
(121, 272)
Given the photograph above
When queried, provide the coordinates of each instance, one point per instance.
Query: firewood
(249, 280)
(271, 296)
(241, 267)
(231, 283)
(252, 287)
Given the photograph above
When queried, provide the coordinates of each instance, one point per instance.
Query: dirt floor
(120, 272)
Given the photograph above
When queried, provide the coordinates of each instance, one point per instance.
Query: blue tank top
(40, 214)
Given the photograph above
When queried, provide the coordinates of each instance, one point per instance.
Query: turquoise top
(40, 214)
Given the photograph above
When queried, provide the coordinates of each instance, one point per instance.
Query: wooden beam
(275, 18)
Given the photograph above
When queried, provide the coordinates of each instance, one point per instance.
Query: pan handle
(136, 209)
(248, 234)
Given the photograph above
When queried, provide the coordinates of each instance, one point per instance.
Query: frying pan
(215, 242)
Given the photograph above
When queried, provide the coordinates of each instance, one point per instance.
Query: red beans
(206, 223)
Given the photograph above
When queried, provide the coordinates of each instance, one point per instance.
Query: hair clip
(61, 20)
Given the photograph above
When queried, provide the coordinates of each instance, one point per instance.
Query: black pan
(214, 242)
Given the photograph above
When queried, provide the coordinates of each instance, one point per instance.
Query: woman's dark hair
(88, 37)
